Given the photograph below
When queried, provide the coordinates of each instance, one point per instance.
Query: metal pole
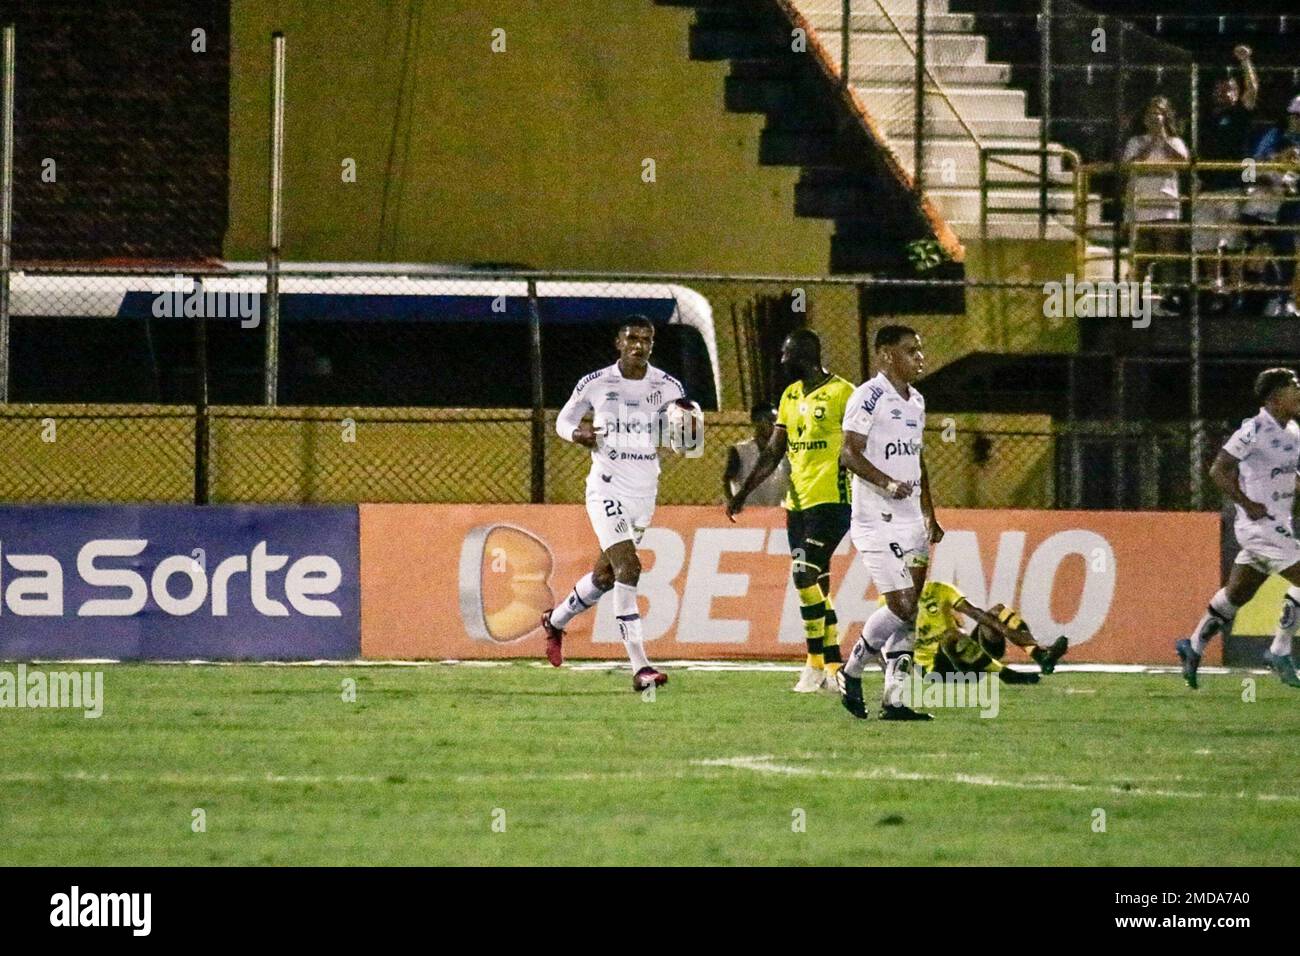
(1117, 150)
(1194, 324)
(1118, 449)
(271, 368)
(200, 403)
(846, 32)
(1076, 449)
(538, 495)
(6, 205)
(1045, 98)
(919, 119)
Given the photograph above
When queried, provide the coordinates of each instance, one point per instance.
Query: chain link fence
(403, 385)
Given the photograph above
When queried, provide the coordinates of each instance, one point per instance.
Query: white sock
(583, 597)
(629, 624)
(1287, 623)
(882, 625)
(1216, 620)
(898, 664)
(858, 658)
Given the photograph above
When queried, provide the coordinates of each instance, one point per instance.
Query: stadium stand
(135, 125)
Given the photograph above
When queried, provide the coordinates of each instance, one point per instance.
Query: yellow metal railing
(1198, 212)
(1001, 159)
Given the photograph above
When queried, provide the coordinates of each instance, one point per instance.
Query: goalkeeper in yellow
(809, 430)
(942, 646)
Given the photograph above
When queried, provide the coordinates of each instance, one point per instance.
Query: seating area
(133, 111)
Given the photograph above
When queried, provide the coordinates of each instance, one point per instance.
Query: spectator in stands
(743, 456)
(1227, 133)
(1156, 197)
(1226, 138)
(1274, 202)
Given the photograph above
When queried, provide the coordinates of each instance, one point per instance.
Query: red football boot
(554, 641)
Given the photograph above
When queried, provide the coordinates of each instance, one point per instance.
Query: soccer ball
(683, 427)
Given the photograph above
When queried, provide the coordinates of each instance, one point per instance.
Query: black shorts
(992, 648)
(816, 532)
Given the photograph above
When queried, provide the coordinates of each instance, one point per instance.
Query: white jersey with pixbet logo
(1269, 454)
(625, 461)
(893, 426)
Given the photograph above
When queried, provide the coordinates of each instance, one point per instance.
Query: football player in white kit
(893, 523)
(625, 400)
(1257, 470)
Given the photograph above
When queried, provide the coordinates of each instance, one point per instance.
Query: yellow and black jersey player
(808, 431)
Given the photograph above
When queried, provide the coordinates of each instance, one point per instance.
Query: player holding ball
(635, 408)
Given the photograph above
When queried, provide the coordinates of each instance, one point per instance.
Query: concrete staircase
(847, 174)
(979, 99)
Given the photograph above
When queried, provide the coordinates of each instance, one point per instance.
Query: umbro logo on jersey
(611, 396)
(606, 477)
(895, 413)
(886, 517)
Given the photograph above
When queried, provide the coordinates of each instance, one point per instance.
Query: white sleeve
(859, 414)
(1179, 147)
(1242, 441)
(572, 413)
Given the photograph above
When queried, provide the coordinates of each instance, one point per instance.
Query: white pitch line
(279, 779)
(703, 769)
(696, 666)
(763, 764)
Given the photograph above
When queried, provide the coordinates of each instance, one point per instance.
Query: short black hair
(636, 321)
(893, 334)
(806, 338)
(1270, 380)
(761, 411)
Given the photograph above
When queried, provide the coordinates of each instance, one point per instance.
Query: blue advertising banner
(176, 582)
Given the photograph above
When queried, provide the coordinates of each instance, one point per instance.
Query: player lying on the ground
(1258, 464)
(808, 431)
(893, 522)
(943, 646)
(628, 402)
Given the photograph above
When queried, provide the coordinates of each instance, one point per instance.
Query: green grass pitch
(521, 764)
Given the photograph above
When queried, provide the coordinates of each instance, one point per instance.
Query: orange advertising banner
(471, 581)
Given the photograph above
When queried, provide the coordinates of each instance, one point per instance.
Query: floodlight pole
(6, 204)
(271, 370)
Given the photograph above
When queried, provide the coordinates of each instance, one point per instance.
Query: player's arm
(987, 618)
(853, 456)
(927, 506)
(731, 473)
(569, 424)
(768, 458)
(1224, 474)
